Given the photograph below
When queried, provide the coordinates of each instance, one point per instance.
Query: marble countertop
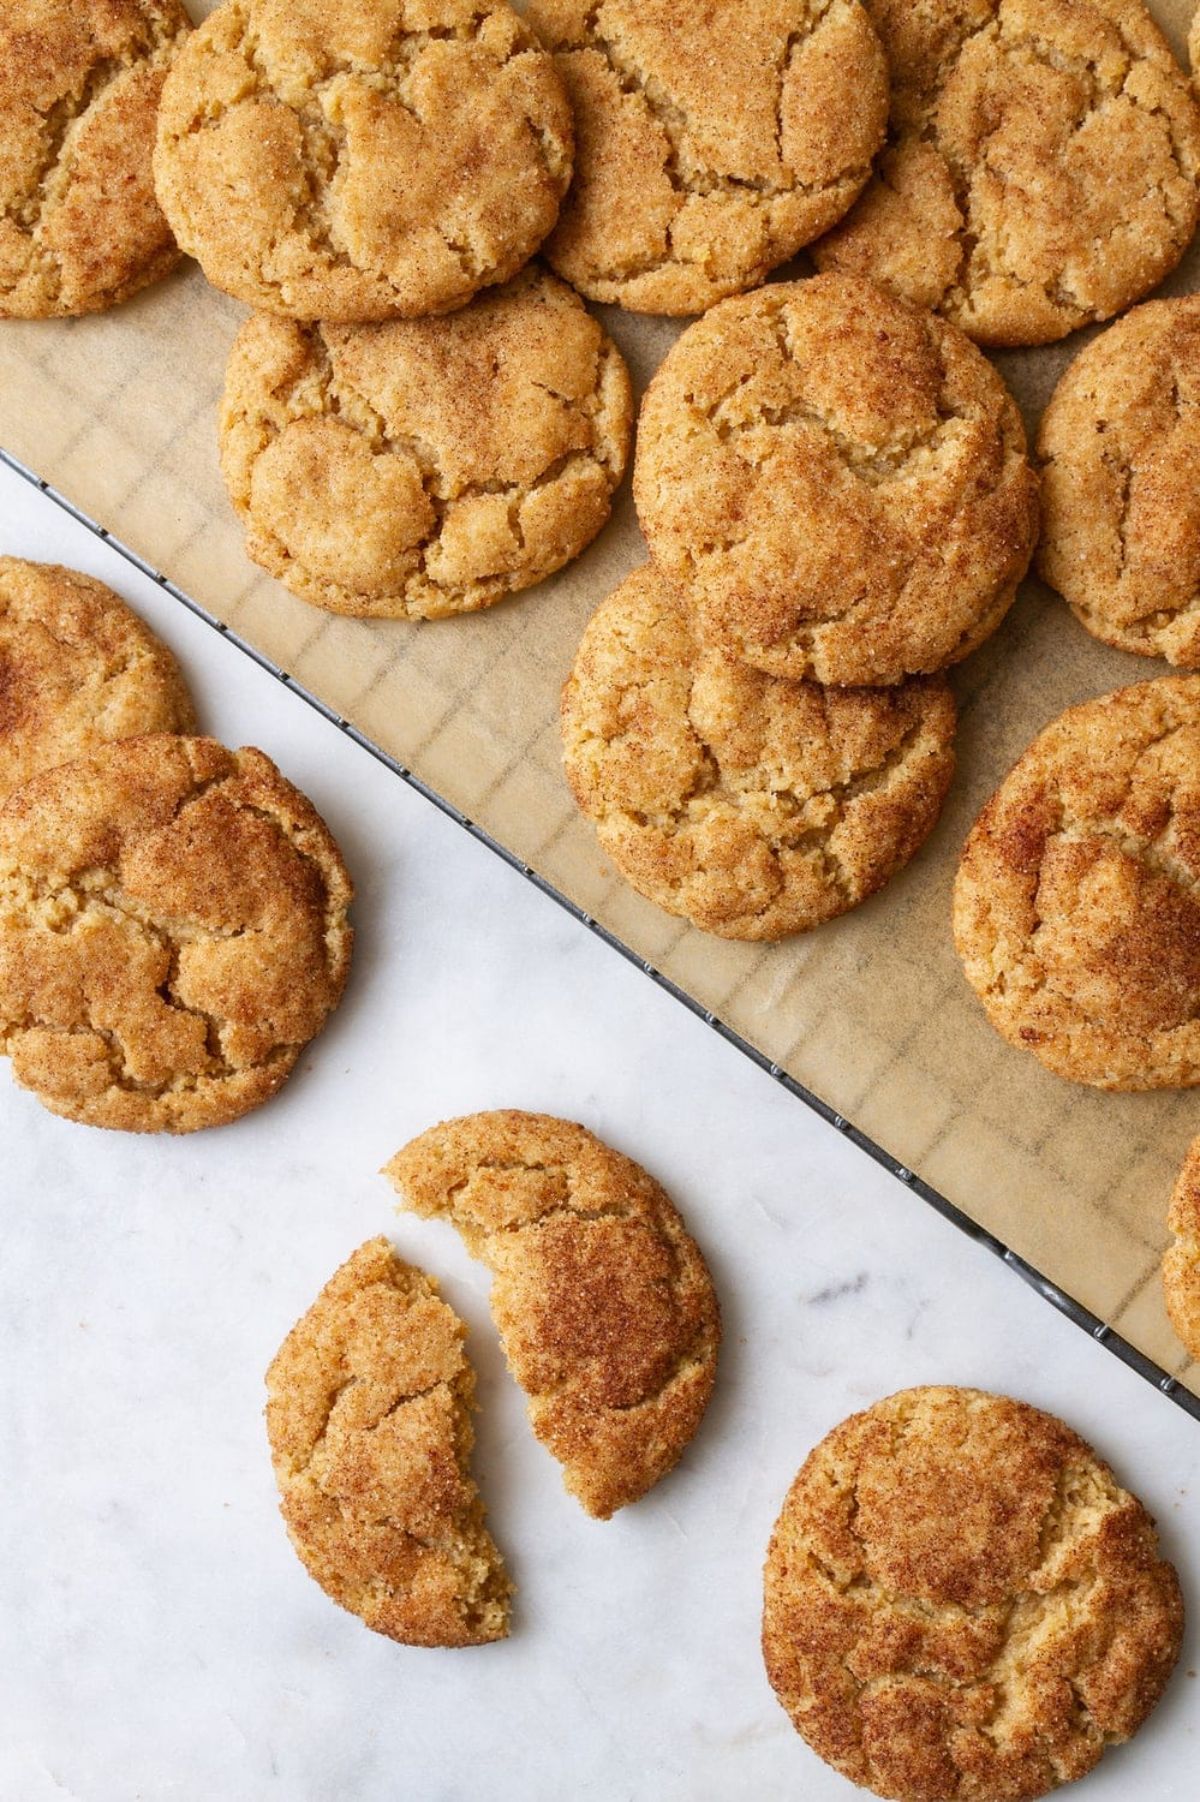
(158, 1638)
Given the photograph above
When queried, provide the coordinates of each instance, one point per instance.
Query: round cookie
(961, 1601)
(426, 467)
(328, 160)
(1119, 445)
(77, 669)
(689, 188)
(1077, 903)
(604, 1303)
(369, 1403)
(80, 228)
(173, 932)
(840, 480)
(1041, 167)
(750, 805)
(1181, 1262)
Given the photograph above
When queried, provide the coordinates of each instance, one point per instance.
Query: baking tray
(868, 1020)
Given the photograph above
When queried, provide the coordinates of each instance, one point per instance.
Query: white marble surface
(158, 1638)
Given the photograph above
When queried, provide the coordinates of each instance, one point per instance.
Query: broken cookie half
(603, 1301)
(369, 1419)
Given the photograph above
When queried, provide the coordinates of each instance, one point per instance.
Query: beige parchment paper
(871, 1012)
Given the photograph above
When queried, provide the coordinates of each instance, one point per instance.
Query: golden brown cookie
(427, 466)
(1120, 447)
(751, 805)
(1041, 167)
(1077, 904)
(369, 1403)
(173, 932)
(1181, 1262)
(326, 159)
(713, 141)
(80, 81)
(839, 479)
(605, 1306)
(961, 1601)
(77, 668)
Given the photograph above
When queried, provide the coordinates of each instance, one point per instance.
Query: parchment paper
(871, 1012)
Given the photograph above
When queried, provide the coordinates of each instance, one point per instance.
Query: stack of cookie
(833, 484)
(836, 494)
(173, 915)
(417, 422)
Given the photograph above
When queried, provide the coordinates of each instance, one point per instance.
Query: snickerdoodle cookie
(1041, 167)
(327, 159)
(1181, 1264)
(77, 668)
(369, 1404)
(841, 481)
(173, 932)
(961, 1601)
(1120, 447)
(605, 1306)
(1077, 904)
(80, 228)
(713, 141)
(751, 805)
(427, 466)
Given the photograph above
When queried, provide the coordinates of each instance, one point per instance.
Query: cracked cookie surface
(1181, 1262)
(173, 932)
(369, 1404)
(961, 1601)
(77, 669)
(1077, 902)
(750, 805)
(839, 479)
(1041, 166)
(1119, 446)
(713, 142)
(80, 228)
(335, 160)
(603, 1301)
(426, 467)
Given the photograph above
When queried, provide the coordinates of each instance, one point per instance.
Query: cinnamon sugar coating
(962, 1601)
(752, 806)
(369, 1402)
(605, 1306)
(173, 932)
(839, 480)
(1077, 903)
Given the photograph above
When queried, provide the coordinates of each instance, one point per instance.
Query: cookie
(77, 668)
(80, 228)
(961, 1601)
(369, 1418)
(839, 479)
(1077, 903)
(750, 805)
(690, 185)
(326, 159)
(173, 932)
(429, 466)
(604, 1304)
(1041, 167)
(1119, 445)
(1181, 1263)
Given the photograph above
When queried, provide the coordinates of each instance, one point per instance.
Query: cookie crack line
(686, 178)
(688, 1357)
(915, 119)
(393, 77)
(113, 902)
(440, 493)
